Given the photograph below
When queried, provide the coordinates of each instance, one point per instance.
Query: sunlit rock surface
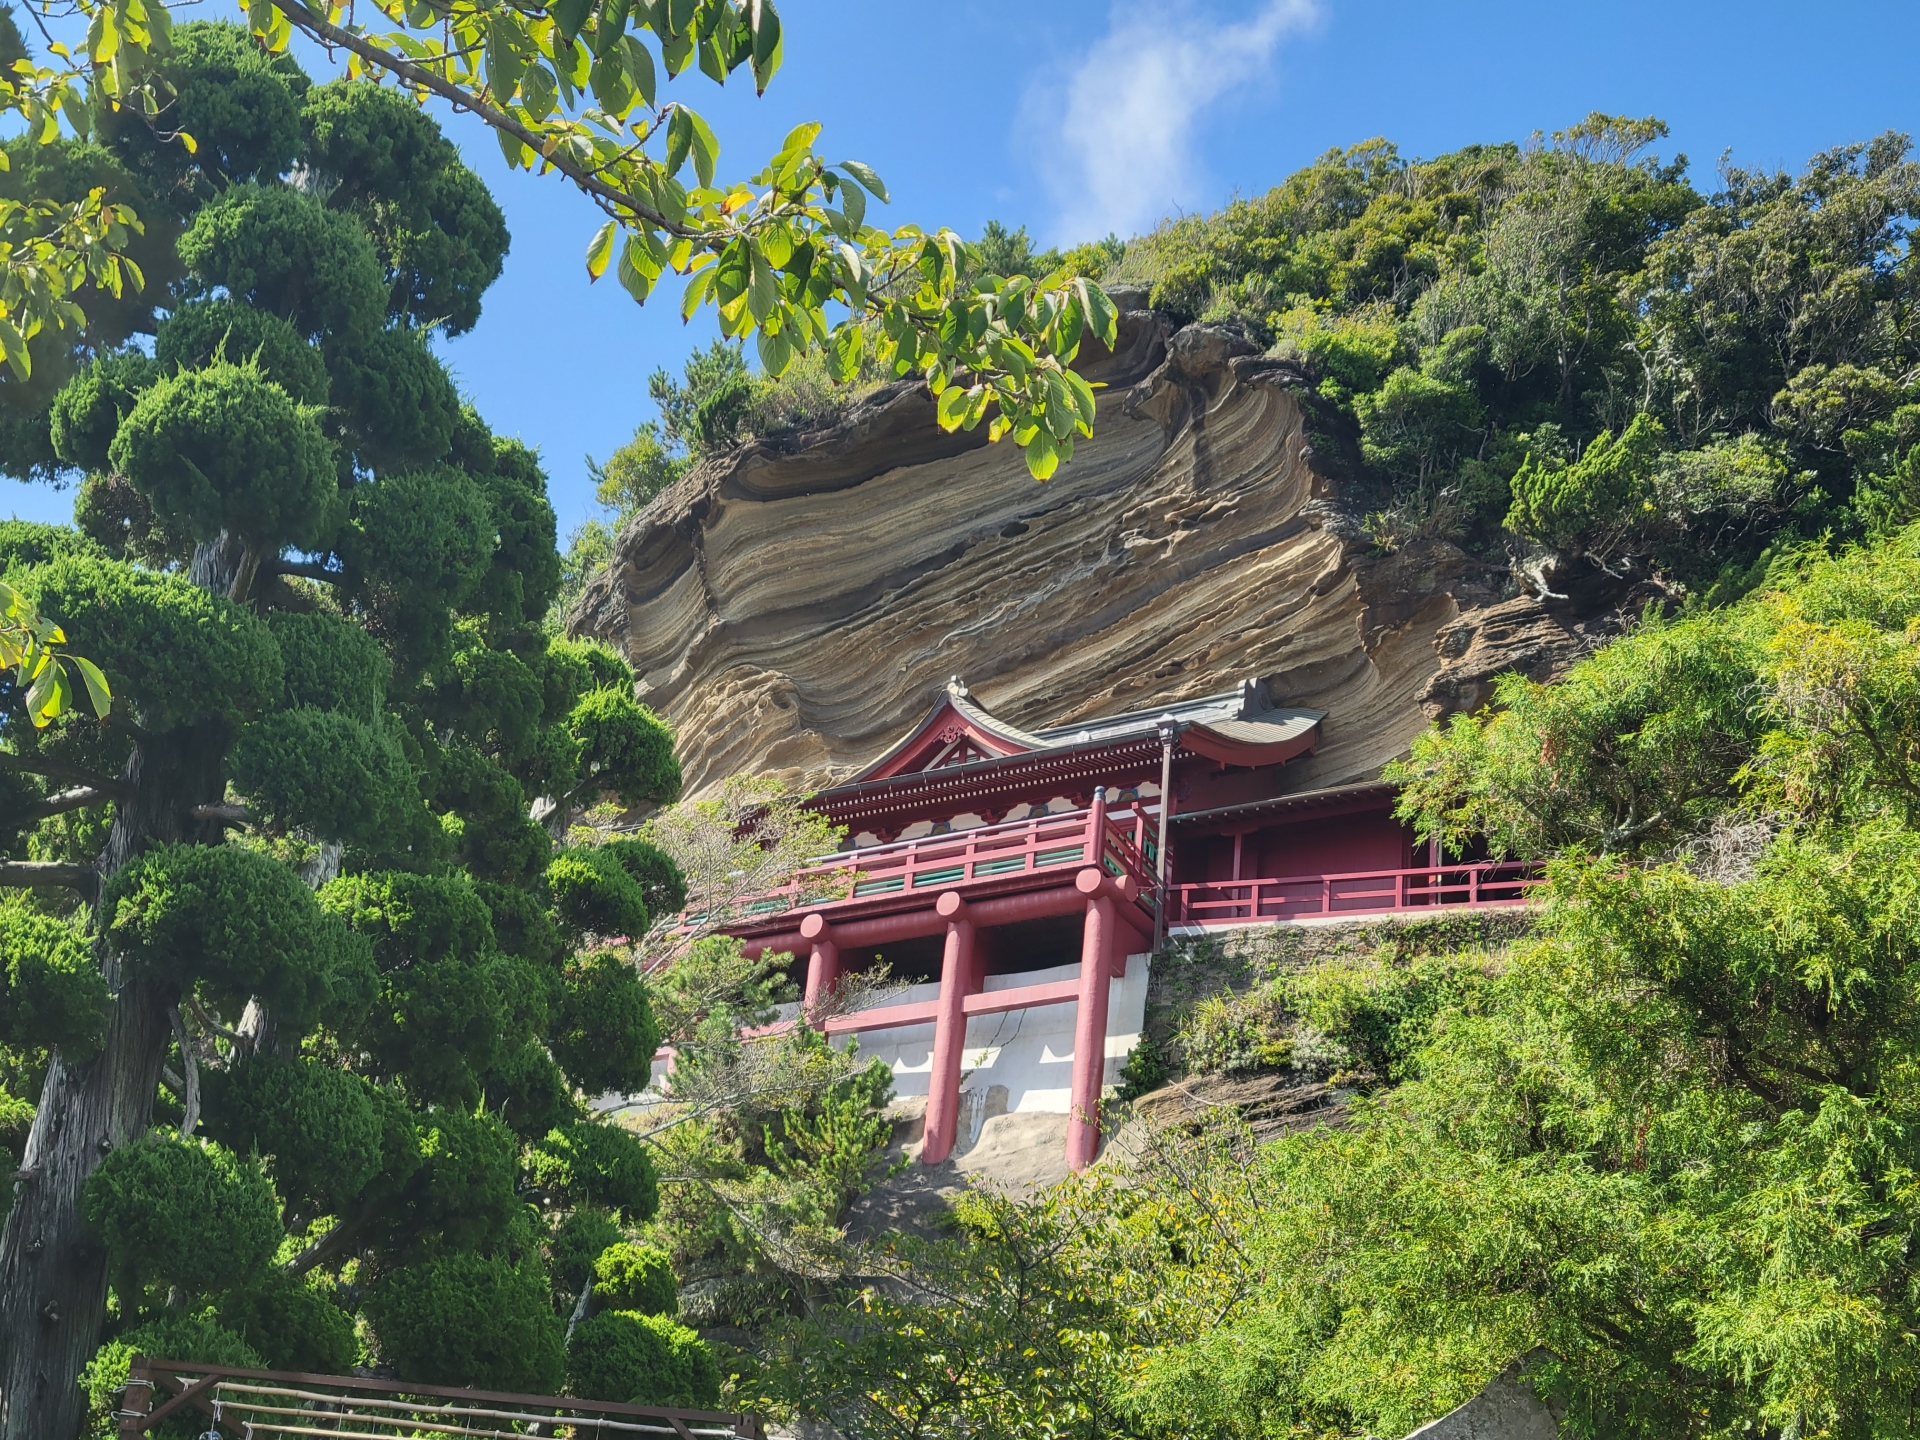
(794, 606)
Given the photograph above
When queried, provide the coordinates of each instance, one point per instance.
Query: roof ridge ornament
(957, 687)
(1254, 697)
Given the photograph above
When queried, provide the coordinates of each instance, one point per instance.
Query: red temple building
(1014, 878)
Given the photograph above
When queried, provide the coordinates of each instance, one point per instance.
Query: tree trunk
(53, 1279)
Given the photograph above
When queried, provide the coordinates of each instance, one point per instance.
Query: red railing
(989, 852)
(1372, 892)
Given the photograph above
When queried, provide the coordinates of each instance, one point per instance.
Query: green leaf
(578, 61)
(1042, 458)
(697, 290)
(801, 137)
(706, 149)
(633, 271)
(1102, 315)
(713, 63)
(679, 139)
(763, 290)
(516, 153)
(854, 201)
(505, 62)
(600, 251)
(952, 409)
(844, 351)
(569, 16)
(14, 350)
(612, 90)
(637, 61)
(776, 243)
(864, 174)
(97, 689)
(1062, 414)
(47, 694)
(1083, 401)
(612, 27)
(764, 21)
(776, 352)
(676, 50)
(538, 91)
(680, 15)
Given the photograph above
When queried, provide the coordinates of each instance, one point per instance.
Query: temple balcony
(1043, 852)
(1224, 904)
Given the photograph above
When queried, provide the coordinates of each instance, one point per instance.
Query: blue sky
(1077, 118)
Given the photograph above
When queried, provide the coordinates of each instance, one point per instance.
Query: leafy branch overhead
(788, 255)
(29, 647)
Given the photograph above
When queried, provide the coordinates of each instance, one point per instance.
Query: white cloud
(1120, 133)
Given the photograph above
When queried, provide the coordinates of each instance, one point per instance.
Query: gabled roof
(1238, 727)
(955, 732)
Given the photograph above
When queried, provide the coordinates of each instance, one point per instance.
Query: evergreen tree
(304, 1003)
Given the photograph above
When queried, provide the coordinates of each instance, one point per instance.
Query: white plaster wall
(1018, 1061)
(1025, 1055)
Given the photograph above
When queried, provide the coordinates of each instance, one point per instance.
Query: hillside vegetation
(1668, 1141)
(1569, 344)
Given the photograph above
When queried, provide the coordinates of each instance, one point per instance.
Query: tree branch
(305, 569)
(118, 720)
(231, 814)
(76, 799)
(191, 1100)
(580, 1305)
(422, 78)
(60, 770)
(83, 878)
(329, 1244)
(232, 1037)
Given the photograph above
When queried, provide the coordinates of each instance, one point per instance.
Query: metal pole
(1169, 731)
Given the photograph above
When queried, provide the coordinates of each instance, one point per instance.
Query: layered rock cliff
(794, 606)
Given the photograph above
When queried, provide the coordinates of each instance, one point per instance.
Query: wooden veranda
(241, 1403)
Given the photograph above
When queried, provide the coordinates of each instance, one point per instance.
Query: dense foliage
(378, 994)
(1570, 345)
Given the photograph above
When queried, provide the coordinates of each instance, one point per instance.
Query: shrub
(467, 1319)
(641, 1359)
(638, 1278)
(172, 1337)
(175, 1212)
(1234, 1035)
(577, 1243)
(604, 1033)
(597, 1163)
(1381, 1012)
(1144, 1072)
(293, 1325)
(594, 894)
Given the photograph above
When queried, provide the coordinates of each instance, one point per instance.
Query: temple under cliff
(1023, 878)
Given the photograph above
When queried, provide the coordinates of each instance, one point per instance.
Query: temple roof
(960, 740)
(1246, 717)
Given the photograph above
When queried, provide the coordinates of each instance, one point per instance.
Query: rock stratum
(794, 605)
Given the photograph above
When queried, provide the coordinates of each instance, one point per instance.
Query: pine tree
(304, 1004)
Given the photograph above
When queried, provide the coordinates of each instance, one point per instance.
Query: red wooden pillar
(949, 1031)
(823, 964)
(823, 973)
(1090, 1021)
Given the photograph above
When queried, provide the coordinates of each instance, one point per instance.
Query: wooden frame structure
(243, 1403)
(970, 829)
